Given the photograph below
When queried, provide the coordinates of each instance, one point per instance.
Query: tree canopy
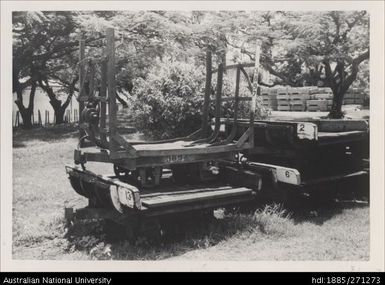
(298, 48)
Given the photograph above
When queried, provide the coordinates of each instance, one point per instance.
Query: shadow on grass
(177, 235)
(52, 133)
(46, 134)
(324, 204)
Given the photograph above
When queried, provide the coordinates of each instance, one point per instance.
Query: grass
(41, 190)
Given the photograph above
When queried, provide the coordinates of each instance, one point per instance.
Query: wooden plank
(255, 92)
(218, 104)
(208, 204)
(341, 137)
(112, 108)
(103, 105)
(236, 105)
(82, 133)
(335, 125)
(92, 80)
(334, 178)
(161, 201)
(198, 149)
(249, 84)
(182, 190)
(172, 159)
(245, 137)
(232, 66)
(97, 156)
(121, 141)
(205, 113)
(331, 135)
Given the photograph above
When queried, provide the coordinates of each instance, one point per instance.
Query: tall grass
(272, 221)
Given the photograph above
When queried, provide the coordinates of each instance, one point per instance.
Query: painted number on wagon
(306, 131)
(175, 158)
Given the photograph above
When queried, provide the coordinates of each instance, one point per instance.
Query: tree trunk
(56, 104)
(59, 111)
(26, 113)
(336, 111)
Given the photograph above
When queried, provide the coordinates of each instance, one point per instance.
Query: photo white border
(376, 262)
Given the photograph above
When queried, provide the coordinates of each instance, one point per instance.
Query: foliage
(298, 48)
(42, 46)
(169, 101)
(312, 48)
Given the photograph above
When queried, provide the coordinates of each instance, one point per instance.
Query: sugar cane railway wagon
(227, 162)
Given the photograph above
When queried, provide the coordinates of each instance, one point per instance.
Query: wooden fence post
(39, 122)
(68, 117)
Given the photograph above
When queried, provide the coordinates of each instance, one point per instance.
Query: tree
(22, 68)
(39, 37)
(45, 46)
(339, 42)
(307, 48)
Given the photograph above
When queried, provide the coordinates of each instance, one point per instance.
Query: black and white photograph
(210, 132)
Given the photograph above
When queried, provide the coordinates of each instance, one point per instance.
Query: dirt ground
(41, 190)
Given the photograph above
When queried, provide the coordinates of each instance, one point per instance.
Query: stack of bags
(306, 98)
(283, 99)
(359, 96)
(298, 98)
(321, 99)
(269, 98)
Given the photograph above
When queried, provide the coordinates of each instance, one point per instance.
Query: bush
(169, 101)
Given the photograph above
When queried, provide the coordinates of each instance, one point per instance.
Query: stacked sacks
(359, 96)
(273, 102)
(283, 99)
(321, 99)
(298, 98)
(269, 98)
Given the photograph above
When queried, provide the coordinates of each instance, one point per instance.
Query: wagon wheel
(129, 176)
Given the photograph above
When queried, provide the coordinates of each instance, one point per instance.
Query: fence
(70, 116)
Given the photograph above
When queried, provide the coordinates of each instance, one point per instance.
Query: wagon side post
(81, 89)
(112, 122)
(103, 95)
(218, 104)
(206, 103)
(256, 92)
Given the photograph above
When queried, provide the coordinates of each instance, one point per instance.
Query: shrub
(169, 101)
